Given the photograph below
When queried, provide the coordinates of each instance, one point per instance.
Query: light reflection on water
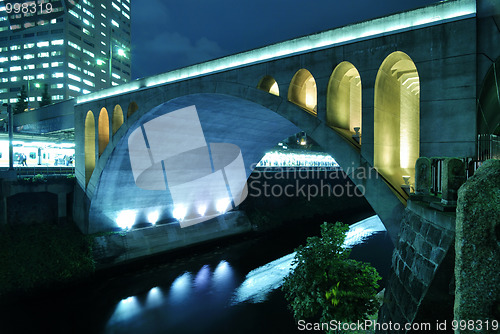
(206, 292)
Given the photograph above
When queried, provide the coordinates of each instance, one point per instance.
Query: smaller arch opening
(132, 108)
(89, 145)
(269, 84)
(103, 130)
(303, 92)
(117, 119)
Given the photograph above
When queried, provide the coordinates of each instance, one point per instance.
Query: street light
(11, 149)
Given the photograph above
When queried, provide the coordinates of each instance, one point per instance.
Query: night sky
(171, 34)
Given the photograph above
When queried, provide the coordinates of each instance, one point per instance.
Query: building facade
(74, 47)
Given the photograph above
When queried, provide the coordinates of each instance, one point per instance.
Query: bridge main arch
(285, 116)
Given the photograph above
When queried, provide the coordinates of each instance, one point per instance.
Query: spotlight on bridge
(202, 209)
(153, 217)
(179, 212)
(126, 219)
(222, 205)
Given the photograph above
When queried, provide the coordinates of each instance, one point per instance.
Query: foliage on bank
(326, 284)
(42, 255)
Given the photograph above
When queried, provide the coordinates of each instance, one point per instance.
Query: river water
(228, 287)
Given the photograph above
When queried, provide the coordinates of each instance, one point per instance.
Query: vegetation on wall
(42, 255)
(326, 284)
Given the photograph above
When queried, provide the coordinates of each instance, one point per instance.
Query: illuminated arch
(103, 130)
(397, 118)
(343, 101)
(117, 119)
(488, 108)
(132, 108)
(89, 145)
(302, 91)
(269, 84)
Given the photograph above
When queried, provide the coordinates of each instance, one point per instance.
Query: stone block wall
(425, 238)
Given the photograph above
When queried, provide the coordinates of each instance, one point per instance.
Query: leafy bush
(326, 284)
(41, 255)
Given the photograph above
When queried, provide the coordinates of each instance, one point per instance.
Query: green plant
(39, 178)
(326, 284)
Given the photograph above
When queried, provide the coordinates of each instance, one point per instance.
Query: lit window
(88, 52)
(45, 65)
(29, 56)
(114, 83)
(103, 6)
(43, 55)
(15, 68)
(29, 45)
(89, 83)
(85, 91)
(42, 44)
(113, 22)
(4, 59)
(13, 79)
(53, 21)
(115, 6)
(116, 76)
(74, 14)
(29, 77)
(15, 47)
(86, 22)
(14, 58)
(29, 67)
(103, 25)
(74, 77)
(126, 7)
(57, 42)
(58, 75)
(55, 64)
(3, 48)
(39, 98)
(56, 53)
(73, 66)
(74, 45)
(74, 88)
(126, 15)
(103, 15)
(40, 76)
(12, 100)
(102, 33)
(3, 69)
(5, 80)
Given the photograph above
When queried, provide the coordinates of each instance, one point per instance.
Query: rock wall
(477, 268)
(425, 238)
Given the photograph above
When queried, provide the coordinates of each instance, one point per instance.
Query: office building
(74, 49)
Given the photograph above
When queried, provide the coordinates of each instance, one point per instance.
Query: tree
(327, 284)
(46, 98)
(22, 101)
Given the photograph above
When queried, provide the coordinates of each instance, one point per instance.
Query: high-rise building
(75, 47)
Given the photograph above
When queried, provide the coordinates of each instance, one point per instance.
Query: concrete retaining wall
(117, 248)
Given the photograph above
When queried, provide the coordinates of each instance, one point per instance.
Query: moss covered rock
(477, 267)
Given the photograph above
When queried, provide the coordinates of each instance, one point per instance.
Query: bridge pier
(426, 238)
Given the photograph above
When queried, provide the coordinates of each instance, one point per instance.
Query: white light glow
(202, 209)
(154, 298)
(179, 212)
(153, 217)
(222, 205)
(126, 219)
(446, 11)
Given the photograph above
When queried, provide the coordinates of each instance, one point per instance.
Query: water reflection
(154, 298)
(179, 291)
(207, 295)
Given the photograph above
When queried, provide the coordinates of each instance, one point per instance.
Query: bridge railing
(488, 147)
(45, 170)
(470, 165)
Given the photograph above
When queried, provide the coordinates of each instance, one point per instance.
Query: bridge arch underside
(224, 119)
(255, 121)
